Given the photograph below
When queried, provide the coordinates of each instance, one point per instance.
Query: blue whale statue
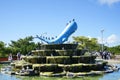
(71, 27)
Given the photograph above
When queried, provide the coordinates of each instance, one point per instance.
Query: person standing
(18, 56)
(10, 57)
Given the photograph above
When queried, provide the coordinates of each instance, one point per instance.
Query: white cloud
(112, 39)
(108, 2)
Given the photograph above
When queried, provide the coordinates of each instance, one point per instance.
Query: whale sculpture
(71, 27)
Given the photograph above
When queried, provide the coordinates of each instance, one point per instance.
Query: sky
(22, 18)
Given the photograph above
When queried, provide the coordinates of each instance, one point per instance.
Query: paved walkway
(113, 61)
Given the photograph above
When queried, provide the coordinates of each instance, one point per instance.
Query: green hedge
(69, 68)
(73, 68)
(83, 59)
(82, 67)
(58, 46)
(47, 68)
(65, 52)
(35, 59)
(59, 59)
(54, 52)
(70, 59)
(68, 52)
(43, 52)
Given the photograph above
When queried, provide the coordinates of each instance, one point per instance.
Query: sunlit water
(109, 76)
(7, 77)
(112, 76)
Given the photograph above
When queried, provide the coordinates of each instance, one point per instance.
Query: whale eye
(70, 21)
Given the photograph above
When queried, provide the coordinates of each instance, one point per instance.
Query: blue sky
(21, 18)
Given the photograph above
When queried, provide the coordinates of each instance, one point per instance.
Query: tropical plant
(86, 43)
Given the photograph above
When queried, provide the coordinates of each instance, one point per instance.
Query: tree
(114, 49)
(23, 45)
(2, 45)
(86, 43)
(2, 48)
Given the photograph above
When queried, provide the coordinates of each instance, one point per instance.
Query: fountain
(58, 59)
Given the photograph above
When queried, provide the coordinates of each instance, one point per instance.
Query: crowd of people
(103, 54)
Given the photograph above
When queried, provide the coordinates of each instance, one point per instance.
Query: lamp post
(102, 38)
